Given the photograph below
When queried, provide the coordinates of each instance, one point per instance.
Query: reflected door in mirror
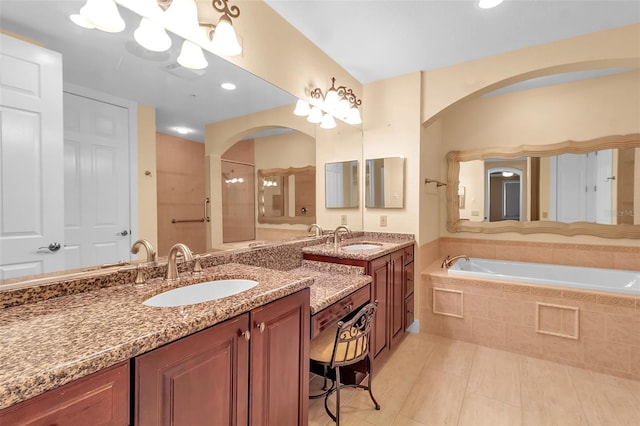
(384, 183)
(341, 185)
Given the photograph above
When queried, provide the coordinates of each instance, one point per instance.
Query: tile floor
(431, 380)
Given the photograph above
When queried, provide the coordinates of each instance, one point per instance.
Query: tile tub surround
(599, 331)
(52, 342)
(593, 255)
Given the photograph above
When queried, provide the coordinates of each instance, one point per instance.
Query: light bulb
(192, 56)
(225, 41)
(103, 14)
(328, 122)
(331, 100)
(315, 115)
(342, 111)
(507, 174)
(488, 4)
(81, 21)
(152, 36)
(302, 108)
(354, 116)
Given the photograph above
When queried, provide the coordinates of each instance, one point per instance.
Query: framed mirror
(384, 183)
(570, 188)
(287, 195)
(341, 185)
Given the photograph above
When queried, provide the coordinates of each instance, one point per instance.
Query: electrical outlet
(383, 220)
(343, 219)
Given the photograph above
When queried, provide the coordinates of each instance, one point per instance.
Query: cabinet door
(396, 273)
(380, 289)
(99, 399)
(279, 383)
(199, 380)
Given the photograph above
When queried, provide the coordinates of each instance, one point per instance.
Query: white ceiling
(371, 39)
(375, 40)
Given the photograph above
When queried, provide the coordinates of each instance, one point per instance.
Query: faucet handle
(197, 267)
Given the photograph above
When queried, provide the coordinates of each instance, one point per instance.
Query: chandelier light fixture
(180, 16)
(323, 107)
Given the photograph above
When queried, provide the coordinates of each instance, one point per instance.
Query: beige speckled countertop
(386, 243)
(331, 282)
(52, 342)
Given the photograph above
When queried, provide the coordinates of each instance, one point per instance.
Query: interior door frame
(132, 108)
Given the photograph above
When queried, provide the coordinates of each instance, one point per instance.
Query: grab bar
(187, 220)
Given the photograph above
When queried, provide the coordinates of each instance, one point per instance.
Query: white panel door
(96, 182)
(31, 182)
(604, 186)
(571, 188)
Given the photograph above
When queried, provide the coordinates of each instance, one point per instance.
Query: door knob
(123, 233)
(51, 247)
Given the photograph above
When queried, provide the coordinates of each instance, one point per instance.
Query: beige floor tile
(405, 421)
(632, 386)
(452, 357)
(495, 374)
(549, 383)
(542, 413)
(478, 410)
(435, 398)
(605, 403)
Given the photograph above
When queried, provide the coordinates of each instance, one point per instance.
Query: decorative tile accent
(448, 302)
(557, 320)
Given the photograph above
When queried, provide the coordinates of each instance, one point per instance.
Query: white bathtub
(611, 280)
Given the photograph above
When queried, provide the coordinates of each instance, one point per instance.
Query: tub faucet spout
(172, 267)
(448, 261)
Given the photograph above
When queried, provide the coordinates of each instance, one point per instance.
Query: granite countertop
(331, 282)
(52, 342)
(386, 243)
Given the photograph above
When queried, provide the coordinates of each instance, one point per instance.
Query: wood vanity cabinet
(252, 369)
(392, 286)
(101, 398)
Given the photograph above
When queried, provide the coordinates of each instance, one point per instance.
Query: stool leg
(324, 383)
(369, 382)
(337, 396)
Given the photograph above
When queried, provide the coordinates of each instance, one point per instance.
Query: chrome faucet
(448, 261)
(172, 268)
(318, 229)
(336, 236)
(151, 252)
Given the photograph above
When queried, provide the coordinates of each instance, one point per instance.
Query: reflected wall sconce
(323, 107)
(157, 16)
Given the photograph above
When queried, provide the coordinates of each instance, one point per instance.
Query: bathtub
(610, 280)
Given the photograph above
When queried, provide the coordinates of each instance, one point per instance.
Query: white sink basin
(198, 293)
(357, 247)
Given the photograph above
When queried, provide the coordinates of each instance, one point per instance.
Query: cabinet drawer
(408, 311)
(408, 255)
(100, 398)
(409, 280)
(331, 314)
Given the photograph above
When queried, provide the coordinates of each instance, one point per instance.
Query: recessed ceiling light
(488, 4)
(182, 130)
(228, 86)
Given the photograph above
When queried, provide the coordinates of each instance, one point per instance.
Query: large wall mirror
(114, 64)
(384, 183)
(341, 185)
(569, 188)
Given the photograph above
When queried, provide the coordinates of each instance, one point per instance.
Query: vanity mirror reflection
(115, 65)
(287, 195)
(384, 183)
(341, 185)
(570, 188)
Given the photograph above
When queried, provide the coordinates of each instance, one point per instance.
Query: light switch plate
(343, 219)
(383, 220)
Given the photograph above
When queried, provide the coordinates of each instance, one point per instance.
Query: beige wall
(147, 177)
(181, 193)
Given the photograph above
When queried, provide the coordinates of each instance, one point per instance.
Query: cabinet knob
(260, 327)
(247, 335)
